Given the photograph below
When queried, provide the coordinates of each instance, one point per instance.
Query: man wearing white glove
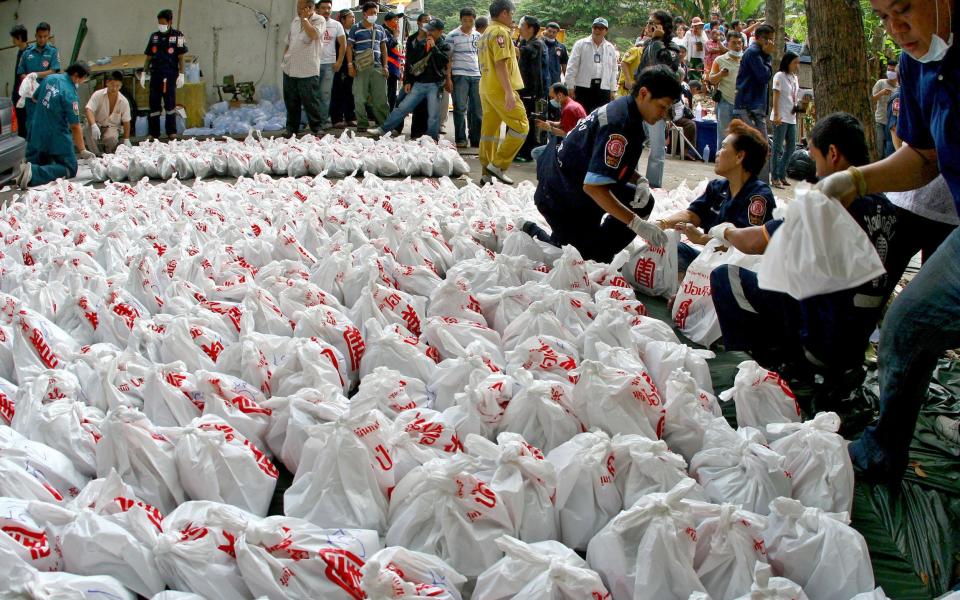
(56, 138)
(738, 196)
(924, 320)
(165, 62)
(108, 116)
(589, 191)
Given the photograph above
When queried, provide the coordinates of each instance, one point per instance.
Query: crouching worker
(589, 191)
(738, 197)
(108, 117)
(55, 130)
(826, 334)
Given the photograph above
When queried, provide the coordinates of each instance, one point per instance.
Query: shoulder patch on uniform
(501, 41)
(757, 209)
(76, 108)
(614, 150)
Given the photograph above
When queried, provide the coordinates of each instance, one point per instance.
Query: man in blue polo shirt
(737, 197)
(588, 190)
(41, 58)
(924, 320)
(753, 79)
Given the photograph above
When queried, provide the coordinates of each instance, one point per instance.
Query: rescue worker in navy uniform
(737, 197)
(165, 51)
(824, 334)
(589, 191)
(41, 58)
(55, 130)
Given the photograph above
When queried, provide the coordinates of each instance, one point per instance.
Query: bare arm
(309, 29)
(42, 74)
(716, 74)
(605, 199)
(77, 134)
(906, 169)
(504, 78)
(182, 62)
(776, 107)
(90, 118)
(383, 58)
(126, 130)
(897, 142)
(749, 240)
(684, 216)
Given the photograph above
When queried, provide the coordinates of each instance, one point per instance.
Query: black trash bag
(801, 167)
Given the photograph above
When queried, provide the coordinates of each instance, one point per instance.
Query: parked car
(12, 147)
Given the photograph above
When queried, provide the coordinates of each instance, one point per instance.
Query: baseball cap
(601, 22)
(390, 16)
(435, 25)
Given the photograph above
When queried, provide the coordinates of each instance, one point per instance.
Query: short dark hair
(115, 76)
(785, 61)
(497, 7)
(844, 131)
(764, 31)
(324, 2)
(19, 32)
(468, 12)
(533, 22)
(344, 12)
(79, 69)
(734, 33)
(714, 25)
(695, 84)
(752, 143)
(559, 88)
(165, 14)
(734, 23)
(368, 5)
(660, 81)
(423, 18)
(481, 22)
(43, 26)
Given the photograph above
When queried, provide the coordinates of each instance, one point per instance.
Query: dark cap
(390, 16)
(435, 25)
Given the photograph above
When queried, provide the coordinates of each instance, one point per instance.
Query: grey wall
(245, 49)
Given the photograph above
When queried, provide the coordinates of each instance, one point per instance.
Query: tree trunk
(841, 81)
(773, 16)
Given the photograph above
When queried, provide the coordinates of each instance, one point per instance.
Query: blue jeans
(657, 134)
(420, 91)
(467, 113)
(920, 325)
(784, 143)
(756, 118)
(326, 93)
(724, 116)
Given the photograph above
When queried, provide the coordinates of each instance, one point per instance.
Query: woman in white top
(786, 89)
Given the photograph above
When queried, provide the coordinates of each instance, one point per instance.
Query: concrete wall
(226, 37)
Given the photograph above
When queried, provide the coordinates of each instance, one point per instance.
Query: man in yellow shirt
(499, 81)
(628, 68)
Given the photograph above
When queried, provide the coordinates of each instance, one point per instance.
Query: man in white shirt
(465, 69)
(301, 68)
(695, 41)
(108, 117)
(334, 43)
(592, 70)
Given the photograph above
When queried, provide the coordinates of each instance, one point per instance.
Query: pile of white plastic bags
(465, 411)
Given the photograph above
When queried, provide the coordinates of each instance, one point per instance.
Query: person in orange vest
(395, 56)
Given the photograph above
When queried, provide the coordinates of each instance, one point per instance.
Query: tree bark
(841, 81)
(773, 16)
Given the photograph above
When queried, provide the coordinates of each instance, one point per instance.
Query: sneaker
(948, 429)
(497, 172)
(375, 131)
(26, 173)
(461, 144)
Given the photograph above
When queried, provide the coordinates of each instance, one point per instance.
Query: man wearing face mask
(41, 58)
(588, 190)
(883, 91)
(723, 75)
(56, 130)
(165, 50)
(924, 320)
(570, 112)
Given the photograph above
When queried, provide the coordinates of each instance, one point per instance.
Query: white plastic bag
(653, 270)
(663, 358)
(819, 249)
(397, 572)
(768, 587)
(34, 471)
(729, 546)
(618, 401)
(647, 550)
(644, 466)
(542, 412)
(546, 357)
(762, 397)
(292, 417)
(392, 392)
(31, 531)
(690, 411)
(817, 459)
(818, 550)
(541, 571)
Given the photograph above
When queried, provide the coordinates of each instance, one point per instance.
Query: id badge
(597, 58)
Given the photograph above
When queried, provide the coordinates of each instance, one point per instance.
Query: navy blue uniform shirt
(164, 50)
(752, 206)
(756, 69)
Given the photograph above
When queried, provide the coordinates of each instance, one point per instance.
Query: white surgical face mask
(891, 75)
(372, 19)
(938, 48)
(736, 53)
(164, 28)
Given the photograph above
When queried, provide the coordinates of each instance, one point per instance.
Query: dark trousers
(596, 235)
(22, 122)
(392, 83)
(592, 97)
(163, 91)
(302, 93)
(341, 102)
(533, 134)
(420, 122)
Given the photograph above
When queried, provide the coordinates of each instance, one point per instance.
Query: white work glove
(86, 155)
(649, 232)
(839, 186)
(180, 80)
(95, 132)
(642, 196)
(143, 79)
(718, 232)
(127, 143)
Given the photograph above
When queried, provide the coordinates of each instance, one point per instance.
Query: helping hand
(839, 186)
(693, 233)
(86, 155)
(127, 143)
(642, 196)
(180, 80)
(653, 235)
(143, 79)
(95, 132)
(719, 232)
(509, 101)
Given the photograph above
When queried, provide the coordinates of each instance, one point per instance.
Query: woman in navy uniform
(589, 191)
(165, 51)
